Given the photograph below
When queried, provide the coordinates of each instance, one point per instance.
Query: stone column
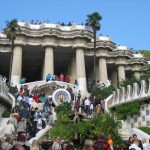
(137, 74)
(103, 70)
(114, 78)
(80, 70)
(73, 70)
(121, 72)
(97, 72)
(48, 62)
(16, 65)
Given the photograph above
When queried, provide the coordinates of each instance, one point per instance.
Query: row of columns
(77, 69)
(78, 66)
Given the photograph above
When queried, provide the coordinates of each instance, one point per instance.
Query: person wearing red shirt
(101, 143)
(61, 77)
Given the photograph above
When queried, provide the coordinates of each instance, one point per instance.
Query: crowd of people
(61, 77)
(34, 110)
(134, 143)
(103, 143)
(38, 22)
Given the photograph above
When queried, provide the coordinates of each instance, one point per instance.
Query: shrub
(12, 89)
(122, 111)
(129, 81)
(145, 129)
(6, 113)
(84, 129)
(105, 92)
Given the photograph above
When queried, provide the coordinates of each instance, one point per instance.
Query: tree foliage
(105, 92)
(93, 20)
(146, 74)
(146, 53)
(85, 128)
(129, 81)
(11, 89)
(6, 113)
(12, 28)
(11, 31)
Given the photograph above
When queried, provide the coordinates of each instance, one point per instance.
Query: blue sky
(126, 21)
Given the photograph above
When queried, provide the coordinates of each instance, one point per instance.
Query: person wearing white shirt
(10, 129)
(135, 145)
(39, 124)
(145, 147)
(87, 106)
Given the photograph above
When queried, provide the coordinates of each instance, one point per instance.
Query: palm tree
(11, 30)
(93, 20)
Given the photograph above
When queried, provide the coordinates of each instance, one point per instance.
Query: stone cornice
(102, 44)
(79, 45)
(56, 32)
(134, 61)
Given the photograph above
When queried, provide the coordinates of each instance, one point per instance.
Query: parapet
(50, 25)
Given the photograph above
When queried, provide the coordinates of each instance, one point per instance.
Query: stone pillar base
(82, 85)
(15, 80)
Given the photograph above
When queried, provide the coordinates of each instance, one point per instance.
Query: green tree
(103, 93)
(129, 81)
(146, 53)
(11, 30)
(84, 128)
(107, 124)
(93, 20)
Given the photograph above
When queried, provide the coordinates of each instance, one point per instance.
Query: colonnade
(77, 70)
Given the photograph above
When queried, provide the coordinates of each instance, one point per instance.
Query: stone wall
(142, 120)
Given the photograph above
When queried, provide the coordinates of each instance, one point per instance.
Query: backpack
(43, 124)
(100, 146)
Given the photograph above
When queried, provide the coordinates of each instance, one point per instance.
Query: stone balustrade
(132, 93)
(51, 25)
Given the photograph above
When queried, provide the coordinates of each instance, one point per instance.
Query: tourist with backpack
(101, 143)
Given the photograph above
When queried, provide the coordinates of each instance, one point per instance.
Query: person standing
(110, 141)
(48, 77)
(101, 143)
(61, 77)
(135, 145)
(7, 144)
(22, 125)
(87, 106)
(57, 145)
(145, 147)
(10, 129)
(139, 141)
(88, 145)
